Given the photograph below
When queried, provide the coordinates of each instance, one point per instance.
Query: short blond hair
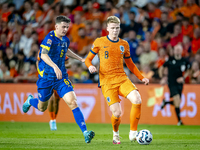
(112, 19)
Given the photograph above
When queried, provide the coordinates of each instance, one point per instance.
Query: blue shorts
(45, 88)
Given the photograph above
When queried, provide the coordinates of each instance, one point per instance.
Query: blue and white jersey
(57, 50)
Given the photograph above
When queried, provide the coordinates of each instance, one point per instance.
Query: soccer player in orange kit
(113, 80)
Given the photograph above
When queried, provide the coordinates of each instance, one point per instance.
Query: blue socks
(78, 116)
(34, 102)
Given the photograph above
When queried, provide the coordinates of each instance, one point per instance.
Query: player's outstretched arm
(45, 57)
(75, 56)
(132, 67)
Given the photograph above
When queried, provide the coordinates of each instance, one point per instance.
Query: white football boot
(132, 135)
(116, 138)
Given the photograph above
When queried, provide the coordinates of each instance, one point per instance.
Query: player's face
(178, 51)
(113, 29)
(61, 29)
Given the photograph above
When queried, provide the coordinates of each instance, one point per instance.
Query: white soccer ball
(144, 137)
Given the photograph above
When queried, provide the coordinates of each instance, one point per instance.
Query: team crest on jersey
(108, 99)
(49, 41)
(121, 48)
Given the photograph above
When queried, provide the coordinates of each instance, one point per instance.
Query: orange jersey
(111, 54)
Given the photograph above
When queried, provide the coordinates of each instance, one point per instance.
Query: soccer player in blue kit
(53, 76)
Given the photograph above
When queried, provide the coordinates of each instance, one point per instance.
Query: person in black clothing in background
(174, 72)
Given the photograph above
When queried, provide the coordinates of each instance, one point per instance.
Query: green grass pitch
(37, 136)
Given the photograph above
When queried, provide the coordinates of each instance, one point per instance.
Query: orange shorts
(111, 92)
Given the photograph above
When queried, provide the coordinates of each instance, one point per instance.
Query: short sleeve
(166, 63)
(188, 65)
(47, 42)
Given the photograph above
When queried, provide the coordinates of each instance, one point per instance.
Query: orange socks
(135, 116)
(52, 115)
(115, 123)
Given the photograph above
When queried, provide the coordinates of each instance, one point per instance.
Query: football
(144, 137)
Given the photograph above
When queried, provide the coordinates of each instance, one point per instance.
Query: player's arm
(75, 56)
(67, 63)
(94, 50)
(45, 57)
(88, 62)
(132, 67)
(163, 74)
(186, 74)
(182, 79)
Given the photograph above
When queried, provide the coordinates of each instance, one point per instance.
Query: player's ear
(107, 28)
(56, 26)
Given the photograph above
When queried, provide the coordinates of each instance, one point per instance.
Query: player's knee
(137, 101)
(134, 97)
(72, 104)
(117, 113)
(42, 108)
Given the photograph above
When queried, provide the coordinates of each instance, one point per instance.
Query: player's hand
(83, 60)
(146, 81)
(92, 69)
(180, 80)
(163, 81)
(58, 72)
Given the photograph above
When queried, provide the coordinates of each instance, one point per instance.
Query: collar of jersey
(112, 40)
(56, 35)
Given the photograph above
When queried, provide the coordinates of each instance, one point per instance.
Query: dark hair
(186, 19)
(11, 5)
(132, 12)
(28, 1)
(61, 18)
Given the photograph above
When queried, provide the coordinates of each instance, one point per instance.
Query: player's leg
(53, 110)
(177, 101)
(36, 103)
(111, 95)
(52, 122)
(129, 90)
(44, 93)
(56, 103)
(65, 90)
(135, 113)
(173, 92)
(116, 120)
(70, 99)
(164, 103)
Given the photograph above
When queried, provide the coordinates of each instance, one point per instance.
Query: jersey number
(106, 54)
(62, 53)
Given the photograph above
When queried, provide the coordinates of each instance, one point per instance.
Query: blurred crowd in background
(151, 27)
